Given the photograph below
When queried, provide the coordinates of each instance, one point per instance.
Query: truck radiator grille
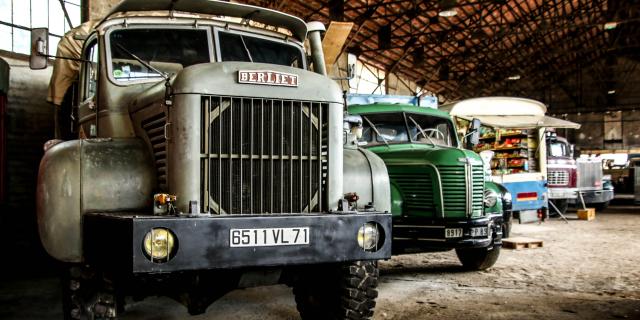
(418, 190)
(558, 177)
(455, 180)
(263, 156)
(154, 127)
(589, 174)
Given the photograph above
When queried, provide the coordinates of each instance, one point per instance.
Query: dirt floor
(586, 270)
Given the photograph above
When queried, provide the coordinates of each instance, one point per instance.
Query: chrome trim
(417, 226)
(439, 187)
(421, 239)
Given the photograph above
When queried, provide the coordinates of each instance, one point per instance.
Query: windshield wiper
(246, 49)
(421, 131)
(144, 63)
(376, 130)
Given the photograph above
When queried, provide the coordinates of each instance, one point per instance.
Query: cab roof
(395, 107)
(218, 8)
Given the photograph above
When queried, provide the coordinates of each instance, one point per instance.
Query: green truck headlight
(159, 244)
(369, 236)
(490, 198)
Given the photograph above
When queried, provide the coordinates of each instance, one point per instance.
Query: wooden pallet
(521, 243)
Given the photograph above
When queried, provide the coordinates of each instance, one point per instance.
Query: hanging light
(611, 92)
(610, 25)
(448, 8)
(514, 77)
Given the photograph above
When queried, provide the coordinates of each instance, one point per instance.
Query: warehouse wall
(29, 123)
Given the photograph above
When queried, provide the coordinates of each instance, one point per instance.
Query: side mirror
(39, 48)
(473, 135)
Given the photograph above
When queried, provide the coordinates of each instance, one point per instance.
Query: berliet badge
(267, 77)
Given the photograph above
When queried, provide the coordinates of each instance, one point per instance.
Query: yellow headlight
(368, 236)
(158, 243)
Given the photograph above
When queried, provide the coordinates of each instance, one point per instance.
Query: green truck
(440, 199)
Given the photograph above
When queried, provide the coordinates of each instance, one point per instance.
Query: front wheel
(561, 204)
(478, 258)
(601, 206)
(346, 291)
(86, 294)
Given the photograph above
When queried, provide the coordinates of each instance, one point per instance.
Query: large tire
(346, 291)
(561, 204)
(600, 206)
(506, 227)
(478, 258)
(85, 295)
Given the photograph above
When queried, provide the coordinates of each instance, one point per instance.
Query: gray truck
(211, 156)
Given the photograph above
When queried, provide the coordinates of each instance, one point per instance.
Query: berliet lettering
(266, 77)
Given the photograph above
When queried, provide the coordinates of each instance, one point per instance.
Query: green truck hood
(419, 154)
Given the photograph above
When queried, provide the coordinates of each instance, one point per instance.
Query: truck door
(88, 108)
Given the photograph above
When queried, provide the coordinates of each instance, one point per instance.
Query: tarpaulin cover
(65, 71)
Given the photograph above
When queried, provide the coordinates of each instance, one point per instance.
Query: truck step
(518, 243)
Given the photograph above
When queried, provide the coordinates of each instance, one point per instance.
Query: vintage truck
(514, 134)
(209, 158)
(440, 199)
(562, 173)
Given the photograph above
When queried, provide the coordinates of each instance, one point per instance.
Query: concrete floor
(586, 270)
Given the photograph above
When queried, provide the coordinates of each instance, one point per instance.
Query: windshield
(241, 47)
(168, 50)
(407, 127)
(558, 149)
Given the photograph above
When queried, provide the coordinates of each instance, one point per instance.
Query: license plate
(453, 233)
(268, 237)
(480, 232)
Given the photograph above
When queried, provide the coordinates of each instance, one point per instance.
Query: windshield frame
(107, 41)
(405, 114)
(218, 54)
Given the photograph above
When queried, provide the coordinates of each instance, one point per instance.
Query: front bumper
(563, 193)
(427, 233)
(114, 241)
(595, 196)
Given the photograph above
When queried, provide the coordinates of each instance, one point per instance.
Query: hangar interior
(579, 58)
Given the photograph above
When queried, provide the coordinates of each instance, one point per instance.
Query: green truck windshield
(407, 127)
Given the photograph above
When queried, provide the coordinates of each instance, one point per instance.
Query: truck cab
(562, 172)
(209, 157)
(439, 197)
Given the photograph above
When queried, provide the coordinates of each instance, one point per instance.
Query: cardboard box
(587, 214)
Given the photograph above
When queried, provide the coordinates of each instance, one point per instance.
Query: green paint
(414, 168)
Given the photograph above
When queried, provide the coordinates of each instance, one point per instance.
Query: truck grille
(558, 177)
(418, 189)
(589, 174)
(154, 127)
(261, 156)
(454, 189)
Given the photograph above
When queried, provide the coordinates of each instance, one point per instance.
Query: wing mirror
(472, 138)
(39, 48)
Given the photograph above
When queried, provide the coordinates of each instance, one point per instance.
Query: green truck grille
(420, 192)
(417, 190)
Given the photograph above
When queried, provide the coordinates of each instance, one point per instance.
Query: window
(91, 76)
(167, 50)
(558, 149)
(407, 127)
(240, 47)
(17, 17)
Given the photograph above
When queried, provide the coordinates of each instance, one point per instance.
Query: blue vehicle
(512, 144)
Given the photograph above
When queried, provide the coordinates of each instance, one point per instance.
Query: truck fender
(92, 175)
(366, 174)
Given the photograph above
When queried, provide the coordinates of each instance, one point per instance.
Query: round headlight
(490, 198)
(159, 244)
(368, 236)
